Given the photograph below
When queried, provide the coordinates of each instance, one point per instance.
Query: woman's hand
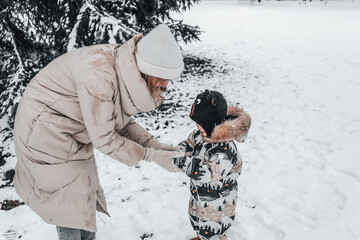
(163, 158)
(160, 146)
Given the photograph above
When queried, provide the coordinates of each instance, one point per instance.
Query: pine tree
(34, 32)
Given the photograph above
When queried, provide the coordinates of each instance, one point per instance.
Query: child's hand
(180, 159)
(184, 146)
(163, 158)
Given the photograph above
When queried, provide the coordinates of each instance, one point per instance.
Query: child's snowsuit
(214, 164)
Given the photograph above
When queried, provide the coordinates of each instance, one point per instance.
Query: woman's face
(203, 133)
(163, 85)
(156, 86)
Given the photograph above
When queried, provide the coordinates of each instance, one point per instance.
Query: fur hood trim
(235, 128)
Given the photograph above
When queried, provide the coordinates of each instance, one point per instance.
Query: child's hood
(235, 127)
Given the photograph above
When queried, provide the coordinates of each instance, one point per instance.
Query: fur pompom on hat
(158, 54)
(209, 110)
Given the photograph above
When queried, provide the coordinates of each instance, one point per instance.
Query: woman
(85, 99)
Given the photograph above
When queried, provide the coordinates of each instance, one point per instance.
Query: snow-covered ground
(296, 70)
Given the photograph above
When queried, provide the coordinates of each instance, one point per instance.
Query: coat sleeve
(137, 133)
(97, 107)
(186, 146)
(223, 160)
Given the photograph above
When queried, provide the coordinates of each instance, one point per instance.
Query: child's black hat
(209, 110)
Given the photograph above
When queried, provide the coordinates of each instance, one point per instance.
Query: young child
(213, 163)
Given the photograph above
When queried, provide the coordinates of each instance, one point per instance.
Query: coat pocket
(53, 135)
(49, 179)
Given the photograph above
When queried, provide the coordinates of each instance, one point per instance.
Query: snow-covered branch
(72, 36)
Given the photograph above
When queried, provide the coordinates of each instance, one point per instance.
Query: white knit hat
(158, 54)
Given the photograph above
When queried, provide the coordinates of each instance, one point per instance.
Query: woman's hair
(153, 84)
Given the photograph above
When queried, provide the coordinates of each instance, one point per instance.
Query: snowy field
(296, 69)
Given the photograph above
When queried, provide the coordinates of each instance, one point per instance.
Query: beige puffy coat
(81, 100)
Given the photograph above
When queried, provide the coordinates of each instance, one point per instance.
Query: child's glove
(180, 161)
(185, 146)
(164, 159)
